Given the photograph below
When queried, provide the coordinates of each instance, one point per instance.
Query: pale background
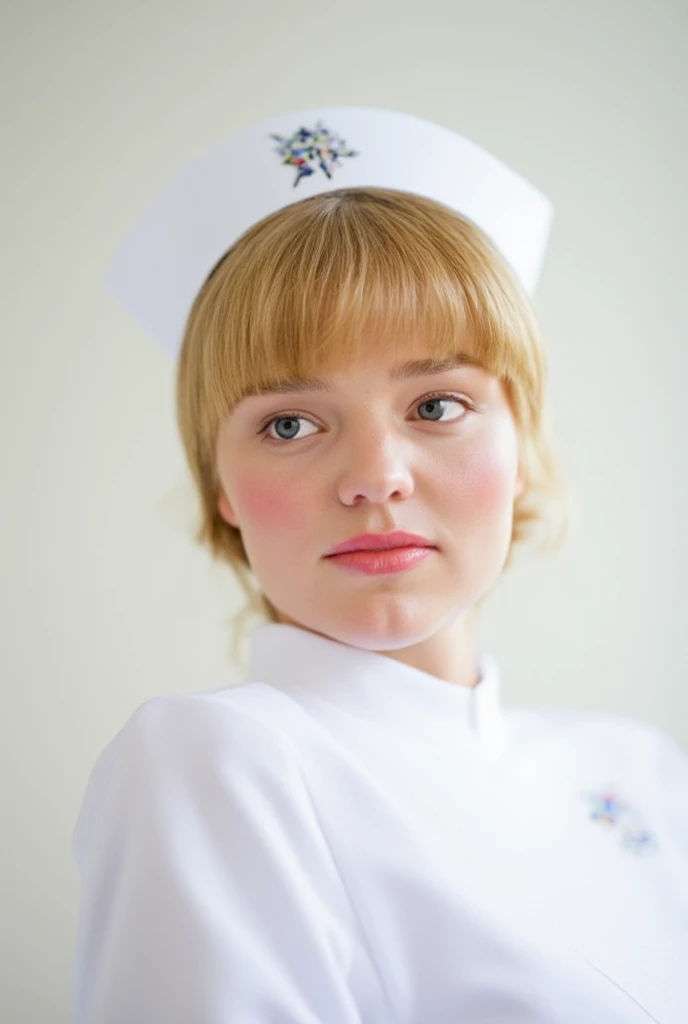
(105, 601)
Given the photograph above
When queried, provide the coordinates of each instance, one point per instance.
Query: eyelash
(428, 398)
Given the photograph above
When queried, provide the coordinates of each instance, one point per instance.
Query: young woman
(359, 832)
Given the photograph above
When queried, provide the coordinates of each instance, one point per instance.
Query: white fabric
(202, 211)
(345, 839)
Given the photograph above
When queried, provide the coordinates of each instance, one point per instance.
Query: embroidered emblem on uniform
(606, 808)
(309, 148)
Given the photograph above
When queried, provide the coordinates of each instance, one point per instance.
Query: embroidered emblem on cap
(609, 810)
(307, 149)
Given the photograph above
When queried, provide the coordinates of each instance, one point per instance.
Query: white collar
(379, 688)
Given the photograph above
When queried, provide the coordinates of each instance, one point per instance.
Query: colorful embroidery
(606, 807)
(639, 840)
(609, 810)
(307, 149)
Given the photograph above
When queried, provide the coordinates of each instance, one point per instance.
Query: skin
(367, 458)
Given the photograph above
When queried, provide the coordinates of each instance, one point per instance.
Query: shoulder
(223, 722)
(227, 720)
(605, 745)
(190, 749)
(200, 856)
(626, 733)
(599, 729)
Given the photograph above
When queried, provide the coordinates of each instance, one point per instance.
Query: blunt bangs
(306, 290)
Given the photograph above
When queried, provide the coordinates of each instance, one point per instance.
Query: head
(346, 287)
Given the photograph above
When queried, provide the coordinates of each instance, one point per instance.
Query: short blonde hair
(293, 297)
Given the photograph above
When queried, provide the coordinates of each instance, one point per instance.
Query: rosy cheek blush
(483, 481)
(268, 504)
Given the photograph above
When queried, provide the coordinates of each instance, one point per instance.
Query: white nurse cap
(214, 199)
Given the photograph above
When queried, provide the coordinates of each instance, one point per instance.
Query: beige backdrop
(106, 602)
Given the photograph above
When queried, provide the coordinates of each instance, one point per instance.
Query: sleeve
(208, 892)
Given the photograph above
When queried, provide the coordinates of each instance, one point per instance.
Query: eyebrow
(403, 371)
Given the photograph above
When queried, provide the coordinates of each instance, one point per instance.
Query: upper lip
(380, 542)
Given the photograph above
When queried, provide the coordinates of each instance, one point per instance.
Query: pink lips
(380, 542)
(380, 553)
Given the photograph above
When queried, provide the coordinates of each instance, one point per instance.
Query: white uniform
(345, 839)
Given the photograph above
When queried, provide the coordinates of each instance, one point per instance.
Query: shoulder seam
(293, 750)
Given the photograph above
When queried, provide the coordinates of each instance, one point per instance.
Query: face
(434, 455)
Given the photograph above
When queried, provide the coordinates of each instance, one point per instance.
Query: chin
(383, 624)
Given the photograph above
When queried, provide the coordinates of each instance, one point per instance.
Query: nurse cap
(203, 210)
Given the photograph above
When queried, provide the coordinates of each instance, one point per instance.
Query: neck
(448, 654)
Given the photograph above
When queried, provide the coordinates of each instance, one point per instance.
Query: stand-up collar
(379, 688)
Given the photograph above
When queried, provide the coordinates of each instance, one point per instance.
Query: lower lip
(375, 563)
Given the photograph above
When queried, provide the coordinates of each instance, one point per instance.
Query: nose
(376, 467)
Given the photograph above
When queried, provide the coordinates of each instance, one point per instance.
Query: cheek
(266, 505)
(485, 481)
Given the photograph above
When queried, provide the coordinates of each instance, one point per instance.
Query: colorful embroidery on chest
(308, 149)
(606, 808)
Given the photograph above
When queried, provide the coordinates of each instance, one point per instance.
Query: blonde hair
(293, 298)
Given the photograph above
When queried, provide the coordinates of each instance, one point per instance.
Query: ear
(225, 508)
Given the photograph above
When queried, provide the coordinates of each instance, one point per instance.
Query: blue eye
(292, 426)
(439, 400)
(434, 405)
